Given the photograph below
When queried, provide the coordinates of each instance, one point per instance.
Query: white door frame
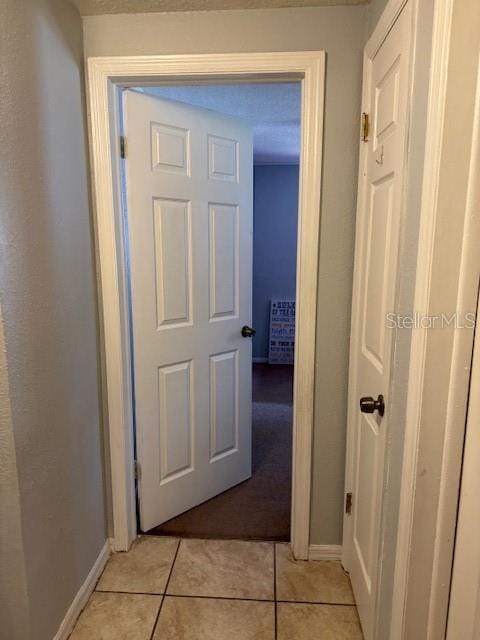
(105, 76)
(452, 419)
(426, 247)
(428, 486)
(464, 605)
(415, 493)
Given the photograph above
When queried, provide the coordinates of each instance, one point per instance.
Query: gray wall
(52, 484)
(14, 622)
(274, 244)
(374, 11)
(340, 32)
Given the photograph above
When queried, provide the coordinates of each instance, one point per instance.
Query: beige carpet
(259, 508)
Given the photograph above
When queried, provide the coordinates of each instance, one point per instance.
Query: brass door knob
(248, 332)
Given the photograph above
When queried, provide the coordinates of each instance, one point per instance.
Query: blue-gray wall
(52, 503)
(274, 244)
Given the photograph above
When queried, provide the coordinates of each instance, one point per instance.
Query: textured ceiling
(94, 7)
(273, 111)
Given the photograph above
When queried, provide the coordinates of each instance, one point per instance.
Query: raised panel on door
(170, 148)
(176, 405)
(224, 240)
(173, 261)
(223, 159)
(223, 404)
(377, 271)
(386, 103)
(364, 513)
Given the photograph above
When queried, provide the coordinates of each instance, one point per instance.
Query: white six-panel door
(189, 215)
(376, 252)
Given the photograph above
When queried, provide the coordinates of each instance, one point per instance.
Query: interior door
(189, 215)
(386, 89)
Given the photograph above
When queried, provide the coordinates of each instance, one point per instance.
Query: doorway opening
(255, 502)
(107, 76)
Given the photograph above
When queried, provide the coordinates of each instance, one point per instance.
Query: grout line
(165, 591)
(175, 595)
(275, 587)
(156, 618)
(317, 603)
(179, 595)
(133, 593)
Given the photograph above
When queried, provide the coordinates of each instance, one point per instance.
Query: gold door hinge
(123, 147)
(365, 126)
(348, 503)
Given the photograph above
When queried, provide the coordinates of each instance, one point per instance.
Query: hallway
(259, 508)
(171, 589)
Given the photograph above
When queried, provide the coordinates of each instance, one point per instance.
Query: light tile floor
(171, 589)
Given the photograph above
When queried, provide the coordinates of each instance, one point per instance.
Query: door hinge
(123, 147)
(365, 126)
(348, 503)
(136, 470)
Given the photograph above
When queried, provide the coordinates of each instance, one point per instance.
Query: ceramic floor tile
(313, 581)
(317, 622)
(223, 568)
(117, 616)
(210, 619)
(144, 569)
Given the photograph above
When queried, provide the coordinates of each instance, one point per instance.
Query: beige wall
(374, 11)
(52, 461)
(340, 32)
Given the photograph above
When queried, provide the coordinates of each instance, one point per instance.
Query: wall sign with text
(281, 347)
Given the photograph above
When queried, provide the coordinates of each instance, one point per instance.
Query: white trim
(426, 244)
(104, 75)
(83, 594)
(260, 360)
(464, 605)
(325, 552)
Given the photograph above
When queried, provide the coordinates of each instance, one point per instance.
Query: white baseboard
(83, 594)
(325, 552)
(260, 360)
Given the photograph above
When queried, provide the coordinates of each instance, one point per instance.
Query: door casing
(451, 419)
(106, 76)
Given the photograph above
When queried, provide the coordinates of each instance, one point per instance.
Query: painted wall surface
(275, 214)
(374, 11)
(14, 621)
(51, 425)
(340, 31)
